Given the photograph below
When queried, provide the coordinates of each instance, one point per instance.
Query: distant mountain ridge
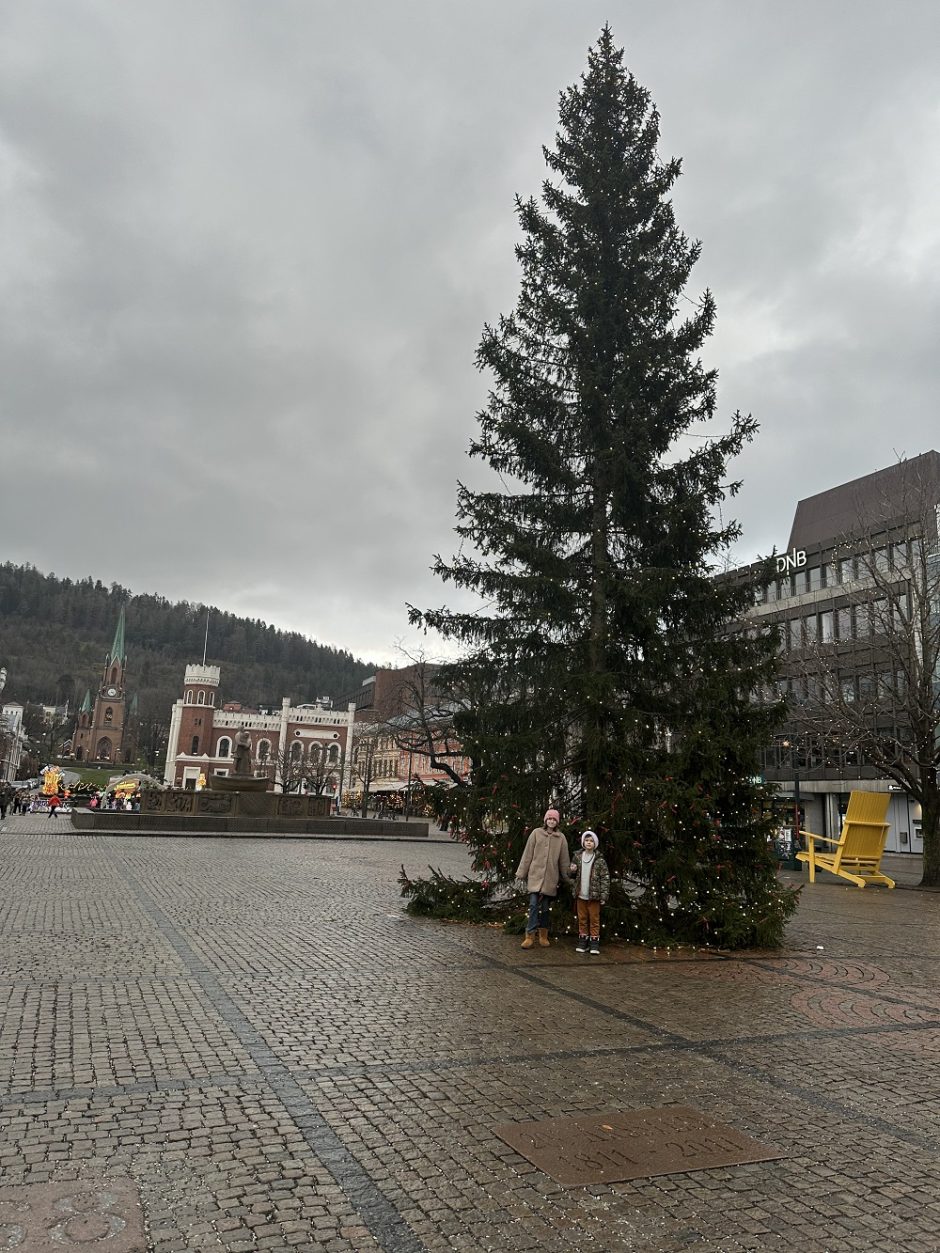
(54, 634)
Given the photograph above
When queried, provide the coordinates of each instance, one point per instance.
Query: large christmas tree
(604, 671)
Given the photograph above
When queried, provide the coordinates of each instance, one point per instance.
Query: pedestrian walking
(544, 864)
(54, 804)
(591, 890)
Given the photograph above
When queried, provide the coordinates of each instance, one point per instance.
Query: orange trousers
(589, 918)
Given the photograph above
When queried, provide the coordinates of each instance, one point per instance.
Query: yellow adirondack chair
(856, 854)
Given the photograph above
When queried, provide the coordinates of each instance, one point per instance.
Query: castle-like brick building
(297, 745)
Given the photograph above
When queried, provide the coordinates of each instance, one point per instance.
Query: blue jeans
(539, 909)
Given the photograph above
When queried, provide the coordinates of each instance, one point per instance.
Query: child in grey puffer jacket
(591, 889)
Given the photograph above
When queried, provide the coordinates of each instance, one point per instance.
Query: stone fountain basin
(238, 783)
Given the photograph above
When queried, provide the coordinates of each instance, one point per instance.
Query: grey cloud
(251, 249)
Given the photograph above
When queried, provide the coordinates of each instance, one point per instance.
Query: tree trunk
(595, 728)
(930, 830)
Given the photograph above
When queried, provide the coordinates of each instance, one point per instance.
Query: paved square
(255, 1037)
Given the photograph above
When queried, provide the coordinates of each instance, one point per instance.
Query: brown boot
(529, 941)
(543, 937)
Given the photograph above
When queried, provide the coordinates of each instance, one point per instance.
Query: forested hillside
(55, 633)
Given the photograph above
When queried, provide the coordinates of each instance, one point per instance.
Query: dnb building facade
(299, 747)
(854, 602)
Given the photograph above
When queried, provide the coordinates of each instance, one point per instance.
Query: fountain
(242, 779)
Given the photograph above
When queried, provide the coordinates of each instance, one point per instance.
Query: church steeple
(99, 733)
(112, 678)
(117, 652)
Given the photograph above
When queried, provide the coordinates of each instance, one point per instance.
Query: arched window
(333, 754)
(225, 748)
(189, 697)
(109, 714)
(79, 753)
(212, 698)
(202, 699)
(104, 749)
(296, 752)
(314, 753)
(114, 674)
(264, 750)
(194, 747)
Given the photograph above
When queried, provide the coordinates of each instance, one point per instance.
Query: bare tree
(369, 739)
(324, 769)
(48, 732)
(152, 742)
(420, 717)
(287, 767)
(6, 751)
(318, 768)
(871, 682)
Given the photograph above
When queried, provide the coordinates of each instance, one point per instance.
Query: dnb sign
(794, 560)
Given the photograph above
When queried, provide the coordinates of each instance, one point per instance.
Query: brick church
(104, 731)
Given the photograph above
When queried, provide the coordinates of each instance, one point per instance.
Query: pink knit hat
(552, 813)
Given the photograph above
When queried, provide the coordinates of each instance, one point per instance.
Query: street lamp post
(408, 794)
(792, 863)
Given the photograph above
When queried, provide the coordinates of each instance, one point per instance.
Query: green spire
(86, 703)
(117, 648)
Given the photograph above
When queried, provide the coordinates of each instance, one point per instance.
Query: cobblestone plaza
(254, 1035)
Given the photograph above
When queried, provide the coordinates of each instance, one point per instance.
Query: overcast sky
(247, 248)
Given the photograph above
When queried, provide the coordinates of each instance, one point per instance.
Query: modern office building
(859, 558)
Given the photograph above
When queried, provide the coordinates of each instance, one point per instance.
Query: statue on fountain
(242, 778)
(242, 742)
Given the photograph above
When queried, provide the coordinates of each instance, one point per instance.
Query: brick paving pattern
(255, 1035)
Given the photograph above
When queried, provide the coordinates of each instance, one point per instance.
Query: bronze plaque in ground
(634, 1144)
(87, 1213)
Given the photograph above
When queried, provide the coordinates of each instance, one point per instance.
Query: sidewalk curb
(262, 835)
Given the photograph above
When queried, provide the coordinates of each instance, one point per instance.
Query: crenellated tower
(192, 718)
